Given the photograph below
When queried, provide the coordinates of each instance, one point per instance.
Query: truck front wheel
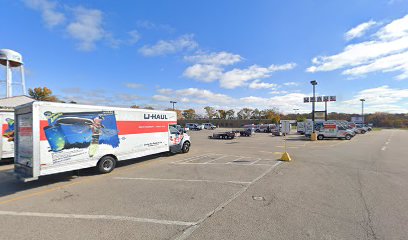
(106, 164)
(186, 147)
(348, 137)
(320, 137)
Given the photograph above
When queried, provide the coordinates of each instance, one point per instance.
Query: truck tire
(348, 137)
(320, 137)
(106, 164)
(186, 147)
(363, 131)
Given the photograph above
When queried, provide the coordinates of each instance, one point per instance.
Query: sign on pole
(325, 98)
(306, 99)
(319, 99)
(332, 98)
(285, 126)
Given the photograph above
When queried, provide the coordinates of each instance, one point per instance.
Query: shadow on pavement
(10, 185)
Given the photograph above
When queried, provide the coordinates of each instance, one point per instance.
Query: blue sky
(226, 54)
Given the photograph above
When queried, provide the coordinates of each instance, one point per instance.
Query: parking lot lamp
(314, 83)
(362, 109)
(173, 102)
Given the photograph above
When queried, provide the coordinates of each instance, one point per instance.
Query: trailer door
(24, 146)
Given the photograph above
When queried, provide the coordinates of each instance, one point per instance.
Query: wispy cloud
(257, 84)
(86, 27)
(359, 30)
(145, 24)
(214, 58)
(133, 85)
(51, 16)
(164, 47)
(386, 52)
(210, 67)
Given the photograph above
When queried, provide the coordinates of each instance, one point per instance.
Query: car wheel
(348, 137)
(320, 137)
(186, 147)
(106, 164)
(363, 131)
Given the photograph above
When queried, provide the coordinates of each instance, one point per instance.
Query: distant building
(12, 102)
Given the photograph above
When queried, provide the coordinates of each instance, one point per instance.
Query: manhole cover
(258, 198)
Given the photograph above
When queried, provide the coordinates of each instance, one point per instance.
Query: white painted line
(194, 157)
(254, 162)
(186, 233)
(96, 217)
(228, 163)
(237, 159)
(383, 148)
(180, 180)
(223, 156)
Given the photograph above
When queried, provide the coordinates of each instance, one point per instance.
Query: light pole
(173, 102)
(314, 83)
(362, 109)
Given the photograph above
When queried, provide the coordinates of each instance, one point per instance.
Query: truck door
(24, 145)
(175, 138)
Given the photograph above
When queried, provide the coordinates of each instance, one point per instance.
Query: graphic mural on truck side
(81, 130)
(8, 131)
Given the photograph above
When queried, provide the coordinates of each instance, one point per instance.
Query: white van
(300, 127)
(56, 137)
(332, 130)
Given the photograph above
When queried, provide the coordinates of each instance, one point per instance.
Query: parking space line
(254, 162)
(96, 217)
(383, 148)
(187, 232)
(223, 156)
(237, 159)
(192, 158)
(180, 180)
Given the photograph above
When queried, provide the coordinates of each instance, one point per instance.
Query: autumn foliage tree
(42, 94)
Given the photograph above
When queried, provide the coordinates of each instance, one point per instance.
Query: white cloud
(215, 58)
(192, 95)
(291, 84)
(133, 85)
(153, 26)
(379, 96)
(86, 27)
(233, 78)
(389, 43)
(238, 77)
(134, 36)
(203, 72)
(162, 47)
(48, 10)
(278, 92)
(359, 30)
(257, 84)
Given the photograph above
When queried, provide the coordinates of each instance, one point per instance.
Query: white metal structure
(12, 59)
(7, 134)
(57, 137)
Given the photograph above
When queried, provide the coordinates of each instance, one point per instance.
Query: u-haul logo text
(154, 116)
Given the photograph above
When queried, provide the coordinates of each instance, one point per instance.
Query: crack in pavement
(368, 222)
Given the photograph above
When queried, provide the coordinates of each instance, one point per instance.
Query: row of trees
(379, 119)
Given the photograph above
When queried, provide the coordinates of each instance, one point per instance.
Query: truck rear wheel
(186, 147)
(106, 164)
(348, 137)
(320, 137)
(363, 131)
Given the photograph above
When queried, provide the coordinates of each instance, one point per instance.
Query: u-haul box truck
(332, 130)
(56, 137)
(7, 134)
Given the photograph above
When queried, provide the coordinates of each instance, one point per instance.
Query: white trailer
(56, 137)
(7, 134)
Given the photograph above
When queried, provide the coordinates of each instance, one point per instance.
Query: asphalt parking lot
(224, 189)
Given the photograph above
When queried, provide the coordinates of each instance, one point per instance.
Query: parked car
(332, 130)
(209, 126)
(193, 126)
(180, 128)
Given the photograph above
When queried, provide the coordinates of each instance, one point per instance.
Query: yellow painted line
(117, 171)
